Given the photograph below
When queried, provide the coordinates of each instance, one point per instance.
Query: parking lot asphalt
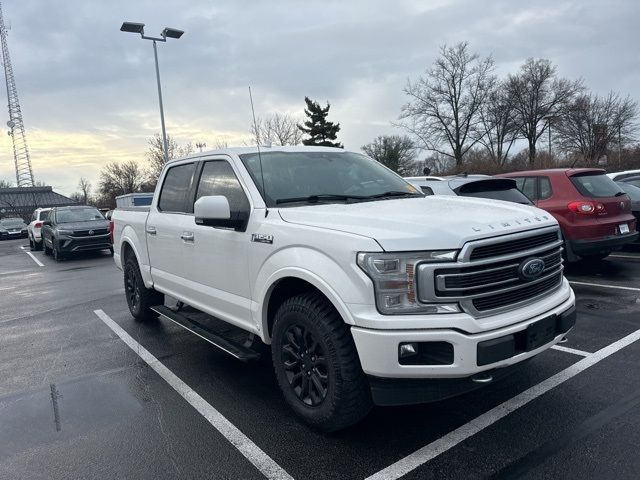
(76, 401)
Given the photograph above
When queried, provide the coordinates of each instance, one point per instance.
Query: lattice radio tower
(24, 172)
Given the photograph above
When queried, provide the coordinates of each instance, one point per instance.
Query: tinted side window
(545, 188)
(527, 185)
(218, 178)
(44, 215)
(173, 196)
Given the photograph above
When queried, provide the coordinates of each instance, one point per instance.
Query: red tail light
(586, 208)
(111, 230)
(38, 225)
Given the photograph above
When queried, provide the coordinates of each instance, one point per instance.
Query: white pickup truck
(367, 291)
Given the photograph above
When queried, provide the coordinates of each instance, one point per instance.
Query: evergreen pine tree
(320, 131)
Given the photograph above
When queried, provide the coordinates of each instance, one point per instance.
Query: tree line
(459, 116)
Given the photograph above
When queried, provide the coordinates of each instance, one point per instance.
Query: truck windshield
(315, 177)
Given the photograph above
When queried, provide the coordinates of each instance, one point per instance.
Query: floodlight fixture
(172, 33)
(132, 27)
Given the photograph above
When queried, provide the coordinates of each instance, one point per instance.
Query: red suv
(593, 212)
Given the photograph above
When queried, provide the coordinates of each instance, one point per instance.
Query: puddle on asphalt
(61, 411)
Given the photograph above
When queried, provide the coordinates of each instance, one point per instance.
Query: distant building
(22, 201)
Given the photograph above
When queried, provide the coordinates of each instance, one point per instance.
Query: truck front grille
(487, 277)
(511, 246)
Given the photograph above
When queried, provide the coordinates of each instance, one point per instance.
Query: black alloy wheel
(305, 365)
(132, 289)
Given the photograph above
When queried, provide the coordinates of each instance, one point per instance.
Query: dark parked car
(634, 195)
(594, 213)
(75, 229)
(479, 186)
(13, 228)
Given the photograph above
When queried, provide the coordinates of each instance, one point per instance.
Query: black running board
(229, 346)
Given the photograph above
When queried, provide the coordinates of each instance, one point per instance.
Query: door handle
(187, 236)
(150, 230)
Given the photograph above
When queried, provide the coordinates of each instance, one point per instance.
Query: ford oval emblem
(531, 268)
(91, 232)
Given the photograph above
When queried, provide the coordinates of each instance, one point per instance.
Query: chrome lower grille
(492, 281)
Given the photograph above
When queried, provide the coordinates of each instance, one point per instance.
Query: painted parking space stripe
(560, 348)
(33, 257)
(265, 464)
(450, 440)
(600, 285)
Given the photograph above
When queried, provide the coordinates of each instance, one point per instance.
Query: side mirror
(214, 211)
(47, 222)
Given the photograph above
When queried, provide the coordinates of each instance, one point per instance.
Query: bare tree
(444, 104)
(538, 92)
(395, 152)
(155, 155)
(279, 129)
(591, 124)
(120, 179)
(5, 183)
(85, 190)
(498, 128)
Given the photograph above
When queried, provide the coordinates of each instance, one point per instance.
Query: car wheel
(47, 250)
(57, 256)
(32, 244)
(316, 364)
(37, 245)
(139, 298)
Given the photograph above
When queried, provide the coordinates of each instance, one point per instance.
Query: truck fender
(275, 269)
(130, 237)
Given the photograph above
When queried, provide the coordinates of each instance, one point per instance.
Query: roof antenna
(255, 127)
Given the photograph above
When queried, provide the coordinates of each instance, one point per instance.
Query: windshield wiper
(394, 193)
(320, 197)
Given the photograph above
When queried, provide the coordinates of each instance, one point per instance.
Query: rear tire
(139, 298)
(47, 250)
(32, 244)
(316, 364)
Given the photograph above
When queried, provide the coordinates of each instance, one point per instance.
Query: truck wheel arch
(289, 285)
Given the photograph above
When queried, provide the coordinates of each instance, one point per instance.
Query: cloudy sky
(88, 91)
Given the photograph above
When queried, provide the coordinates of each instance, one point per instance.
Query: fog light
(408, 349)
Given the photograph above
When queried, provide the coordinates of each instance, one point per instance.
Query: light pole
(132, 27)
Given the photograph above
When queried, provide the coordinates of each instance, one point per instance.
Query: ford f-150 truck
(367, 291)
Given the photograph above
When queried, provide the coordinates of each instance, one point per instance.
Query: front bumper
(378, 349)
(68, 244)
(11, 235)
(593, 247)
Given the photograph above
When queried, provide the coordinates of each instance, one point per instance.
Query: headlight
(394, 281)
(65, 232)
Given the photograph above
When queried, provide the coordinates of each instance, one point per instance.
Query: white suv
(37, 218)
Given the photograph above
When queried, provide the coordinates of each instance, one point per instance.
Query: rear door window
(545, 188)
(496, 189)
(527, 185)
(596, 186)
(175, 189)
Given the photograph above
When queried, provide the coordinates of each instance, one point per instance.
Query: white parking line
(604, 286)
(38, 262)
(582, 353)
(429, 452)
(267, 466)
(634, 257)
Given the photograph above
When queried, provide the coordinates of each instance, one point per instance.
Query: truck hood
(429, 223)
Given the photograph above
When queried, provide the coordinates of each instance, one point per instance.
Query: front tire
(55, 252)
(316, 364)
(596, 257)
(139, 298)
(47, 250)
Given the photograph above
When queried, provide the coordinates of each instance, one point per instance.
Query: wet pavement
(77, 402)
